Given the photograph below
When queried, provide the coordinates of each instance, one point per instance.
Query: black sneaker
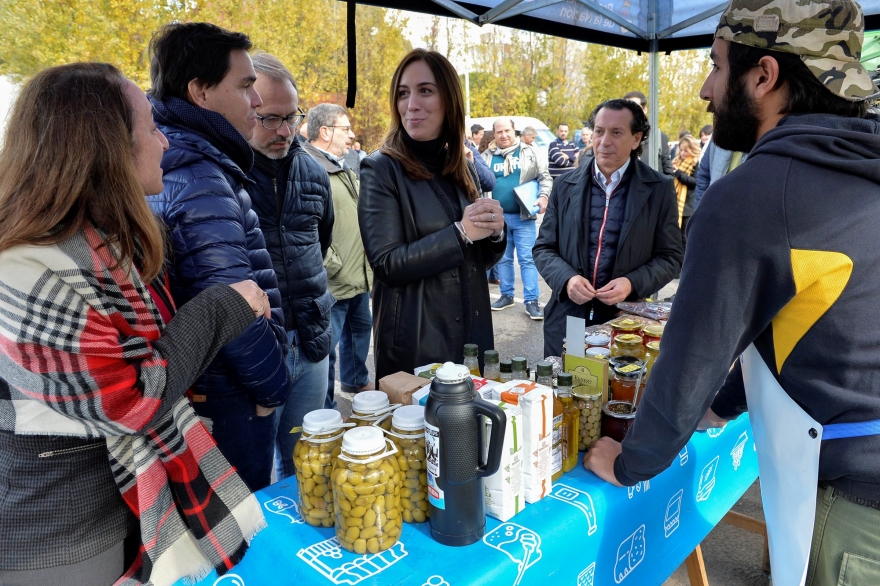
(534, 310)
(503, 303)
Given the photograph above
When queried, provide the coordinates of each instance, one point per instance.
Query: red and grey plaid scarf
(76, 347)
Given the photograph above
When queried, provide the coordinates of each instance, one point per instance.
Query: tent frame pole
(653, 157)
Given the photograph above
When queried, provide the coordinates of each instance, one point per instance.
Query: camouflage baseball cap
(827, 34)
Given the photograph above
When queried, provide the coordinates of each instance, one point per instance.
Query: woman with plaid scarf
(685, 165)
(107, 476)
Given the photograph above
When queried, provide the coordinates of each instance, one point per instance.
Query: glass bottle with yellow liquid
(570, 420)
(491, 366)
(471, 352)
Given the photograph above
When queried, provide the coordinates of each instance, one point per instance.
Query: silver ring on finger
(493, 217)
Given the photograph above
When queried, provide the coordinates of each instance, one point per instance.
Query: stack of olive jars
(367, 482)
(313, 456)
(408, 434)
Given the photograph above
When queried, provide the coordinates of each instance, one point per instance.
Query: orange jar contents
(626, 373)
(628, 345)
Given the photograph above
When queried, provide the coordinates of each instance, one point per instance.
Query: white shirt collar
(615, 177)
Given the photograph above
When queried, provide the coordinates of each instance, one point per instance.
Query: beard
(735, 121)
(273, 149)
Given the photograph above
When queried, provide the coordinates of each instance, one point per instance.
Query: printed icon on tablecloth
(683, 456)
(522, 546)
(630, 554)
(341, 567)
(281, 504)
(587, 577)
(436, 581)
(643, 486)
(229, 580)
(577, 498)
(737, 451)
(673, 513)
(714, 431)
(707, 480)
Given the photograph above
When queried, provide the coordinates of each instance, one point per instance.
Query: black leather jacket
(418, 260)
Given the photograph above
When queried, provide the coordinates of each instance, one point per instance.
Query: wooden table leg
(696, 568)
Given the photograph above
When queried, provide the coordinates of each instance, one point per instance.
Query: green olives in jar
(313, 457)
(589, 408)
(367, 485)
(371, 408)
(408, 434)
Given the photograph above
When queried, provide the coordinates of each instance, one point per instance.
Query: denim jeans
(521, 235)
(307, 391)
(352, 326)
(245, 439)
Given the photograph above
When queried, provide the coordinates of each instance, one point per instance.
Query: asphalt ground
(732, 556)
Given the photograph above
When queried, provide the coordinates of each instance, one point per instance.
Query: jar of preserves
(372, 407)
(366, 492)
(626, 374)
(408, 434)
(597, 341)
(628, 345)
(598, 352)
(570, 420)
(617, 417)
(652, 333)
(652, 350)
(313, 456)
(589, 408)
(626, 325)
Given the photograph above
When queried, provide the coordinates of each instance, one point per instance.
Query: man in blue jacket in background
(204, 102)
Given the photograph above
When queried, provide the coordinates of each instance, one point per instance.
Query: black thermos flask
(453, 444)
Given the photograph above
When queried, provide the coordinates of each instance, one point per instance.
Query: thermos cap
(409, 418)
(321, 421)
(369, 401)
(452, 373)
(361, 441)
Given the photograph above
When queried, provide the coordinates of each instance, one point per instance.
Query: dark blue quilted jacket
(293, 201)
(214, 237)
(613, 226)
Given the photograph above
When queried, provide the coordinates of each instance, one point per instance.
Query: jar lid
(618, 410)
(369, 401)
(626, 323)
(630, 368)
(409, 418)
(653, 345)
(471, 350)
(544, 368)
(655, 330)
(321, 421)
(452, 373)
(506, 366)
(583, 393)
(628, 339)
(563, 379)
(598, 340)
(360, 441)
(600, 352)
(519, 363)
(490, 357)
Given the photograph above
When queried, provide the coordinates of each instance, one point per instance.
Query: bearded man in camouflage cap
(783, 267)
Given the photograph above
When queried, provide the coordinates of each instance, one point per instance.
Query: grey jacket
(531, 166)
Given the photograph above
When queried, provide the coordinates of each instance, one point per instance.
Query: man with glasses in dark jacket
(205, 103)
(291, 195)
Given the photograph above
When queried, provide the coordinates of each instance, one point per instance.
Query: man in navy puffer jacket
(291, 195)
(205, 104)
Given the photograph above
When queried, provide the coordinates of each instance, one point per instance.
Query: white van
(542, 140)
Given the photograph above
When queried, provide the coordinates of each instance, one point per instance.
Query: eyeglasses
(274, 122)
(345, 128)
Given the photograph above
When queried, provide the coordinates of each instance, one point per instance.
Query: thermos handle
(496, 437)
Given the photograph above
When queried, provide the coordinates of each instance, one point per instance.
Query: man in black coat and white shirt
(610, 232)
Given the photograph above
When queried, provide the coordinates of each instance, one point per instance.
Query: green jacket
(348, 271)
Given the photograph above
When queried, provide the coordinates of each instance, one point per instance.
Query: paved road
(732, 556)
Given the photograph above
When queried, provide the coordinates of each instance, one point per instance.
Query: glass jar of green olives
(589, 407)
(313, 457)
(371, 407)
(366, 492)
(408, 434)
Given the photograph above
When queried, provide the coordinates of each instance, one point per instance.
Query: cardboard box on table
(504, 490)
(402, 386)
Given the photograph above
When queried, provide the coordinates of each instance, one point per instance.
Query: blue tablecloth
(586, 533)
